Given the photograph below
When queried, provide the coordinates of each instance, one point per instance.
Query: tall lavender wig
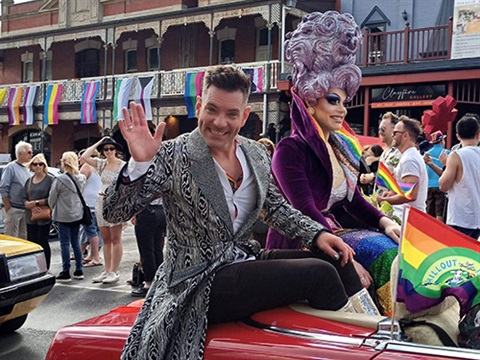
(322, 51)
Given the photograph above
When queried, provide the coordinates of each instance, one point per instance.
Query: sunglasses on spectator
(109, 148)
(38, 164)
(382, 129)
(29, 152)
(395, 132)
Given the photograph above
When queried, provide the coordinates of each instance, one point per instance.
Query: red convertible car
(294, 332)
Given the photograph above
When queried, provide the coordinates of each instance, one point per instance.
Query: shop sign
(407, 95)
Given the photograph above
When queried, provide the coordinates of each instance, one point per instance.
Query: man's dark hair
(227, 77)
(411, 126)
(468, 126)
(390, 115)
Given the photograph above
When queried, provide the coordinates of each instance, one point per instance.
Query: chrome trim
(338, 339)
(414, 348)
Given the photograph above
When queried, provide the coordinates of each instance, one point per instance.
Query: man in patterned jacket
(214, 185)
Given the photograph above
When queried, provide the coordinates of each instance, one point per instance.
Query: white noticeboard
(466, 29)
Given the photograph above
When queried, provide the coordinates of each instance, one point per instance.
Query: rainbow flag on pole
(88, 108)
(50, 107)
(14, 101)
(386, 179)
(436, 261)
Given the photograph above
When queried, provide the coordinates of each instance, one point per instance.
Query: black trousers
(39, 234)
(279, 278)
(150, 233)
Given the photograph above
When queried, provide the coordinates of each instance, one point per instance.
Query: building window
(46, 66)
(226, 46)
(87, 63)
(130, 60)
(27, 67)
(27, 75)
(227, 51)
(152, 58)
(129, 48)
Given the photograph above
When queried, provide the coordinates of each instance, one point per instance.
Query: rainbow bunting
(50, 108)
(88, 108)
(436, 261)
(193, 88)
(386, 179)
(14, 101)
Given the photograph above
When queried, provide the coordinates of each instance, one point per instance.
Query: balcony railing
(405, 46)
(165, 83)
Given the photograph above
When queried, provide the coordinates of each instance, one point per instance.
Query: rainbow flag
(386, 179)
(350, 140)
(436, 261)
(193, 88)
(88, 108)
(14, 101)
(50, 107)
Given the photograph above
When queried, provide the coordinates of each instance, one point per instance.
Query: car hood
(11, 246)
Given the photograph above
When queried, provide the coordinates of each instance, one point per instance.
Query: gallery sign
(406, 95)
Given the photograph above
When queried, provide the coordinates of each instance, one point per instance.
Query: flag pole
(406, 210)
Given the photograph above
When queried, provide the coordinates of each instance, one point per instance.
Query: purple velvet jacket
(302, 169)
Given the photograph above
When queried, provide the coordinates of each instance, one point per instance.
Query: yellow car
(24, 281)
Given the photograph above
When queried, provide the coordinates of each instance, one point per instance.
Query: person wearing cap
(108, 166)
(435, 197)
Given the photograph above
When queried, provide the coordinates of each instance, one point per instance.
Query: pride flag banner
(122, 94)
(50, 108)
(386, 179)
(193, 88)
(3, 93)
(436, 261)
(256, 78)
(14, 101)
(143, 94)
(88, 108)
(28, 102)
(350, 141)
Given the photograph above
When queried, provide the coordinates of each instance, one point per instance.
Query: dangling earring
(311, 110)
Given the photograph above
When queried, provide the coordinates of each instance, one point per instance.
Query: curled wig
(322, 51)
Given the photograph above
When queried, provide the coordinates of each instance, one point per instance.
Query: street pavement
(69, 303)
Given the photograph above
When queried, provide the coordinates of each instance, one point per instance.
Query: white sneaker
(100, 277)
(111, 278)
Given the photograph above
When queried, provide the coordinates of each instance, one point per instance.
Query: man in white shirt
(411, 168)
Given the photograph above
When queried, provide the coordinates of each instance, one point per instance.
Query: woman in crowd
(91, 234)
(368, 168)
(317, 166)
(67, 212)
(108, 166)
(36, 192)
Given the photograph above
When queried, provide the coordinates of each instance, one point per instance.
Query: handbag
(39, 212)
(87, 214)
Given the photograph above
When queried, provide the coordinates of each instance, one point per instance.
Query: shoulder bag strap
(29, 187)
(78, 190)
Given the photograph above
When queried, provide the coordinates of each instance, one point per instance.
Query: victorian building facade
(74, 42)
